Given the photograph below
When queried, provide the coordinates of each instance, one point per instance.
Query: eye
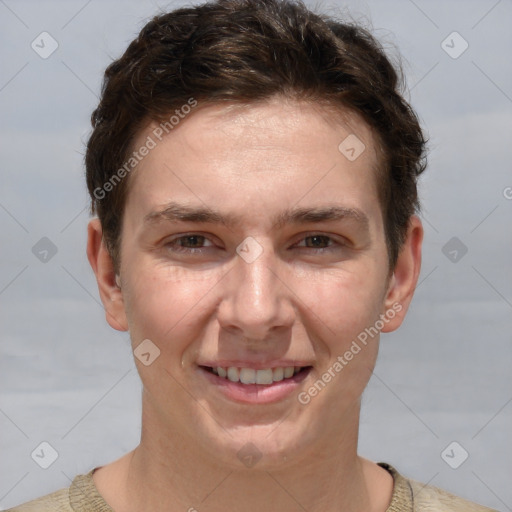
(319, 243)
(192, 243)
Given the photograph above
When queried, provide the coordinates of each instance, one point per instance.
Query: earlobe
(103, 267)
(402, 283)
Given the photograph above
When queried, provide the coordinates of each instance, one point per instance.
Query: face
(252, 246)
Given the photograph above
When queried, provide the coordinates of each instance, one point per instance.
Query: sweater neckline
(402, 498)
(84, 495)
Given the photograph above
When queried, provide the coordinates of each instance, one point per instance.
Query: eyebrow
(177, 212)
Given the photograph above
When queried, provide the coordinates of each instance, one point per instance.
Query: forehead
(252, 159)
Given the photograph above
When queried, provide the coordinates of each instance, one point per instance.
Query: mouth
(255, 386)
(265, 377)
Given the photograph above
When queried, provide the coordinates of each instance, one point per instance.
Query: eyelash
(172, 244)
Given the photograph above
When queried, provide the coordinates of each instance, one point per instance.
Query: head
(277, 124)
(246, 52)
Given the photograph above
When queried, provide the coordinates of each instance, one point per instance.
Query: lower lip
(256, 393)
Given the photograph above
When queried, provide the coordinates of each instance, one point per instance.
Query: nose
(256, 297)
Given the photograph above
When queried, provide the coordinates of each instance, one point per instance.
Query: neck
(169, 471)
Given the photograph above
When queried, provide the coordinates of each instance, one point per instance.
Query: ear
(103, 267)
(405, 277)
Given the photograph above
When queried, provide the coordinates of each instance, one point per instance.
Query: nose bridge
(255, 300)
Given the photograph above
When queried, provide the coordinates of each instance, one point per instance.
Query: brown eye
(191, 240)
(192, 243)
(317, 241)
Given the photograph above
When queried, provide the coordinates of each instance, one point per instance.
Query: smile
(266, 376)
(256, 386)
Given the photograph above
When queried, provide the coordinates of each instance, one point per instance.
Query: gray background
(69, 379)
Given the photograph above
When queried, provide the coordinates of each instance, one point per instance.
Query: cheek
(344, 301)
(345, 306)
(164, 304)
(344, 310)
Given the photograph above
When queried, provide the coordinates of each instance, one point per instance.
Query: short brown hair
(247, 51)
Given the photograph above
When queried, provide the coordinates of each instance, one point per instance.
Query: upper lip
(254, 365)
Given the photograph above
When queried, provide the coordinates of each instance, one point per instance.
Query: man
(253, 168)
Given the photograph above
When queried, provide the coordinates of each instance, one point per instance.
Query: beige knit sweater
(408, 496)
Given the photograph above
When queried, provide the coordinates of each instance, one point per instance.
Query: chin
(258, 447)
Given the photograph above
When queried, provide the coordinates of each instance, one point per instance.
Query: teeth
(264, 376)
(278, 374)
(252, 376)
(288, 371)
(248, 376)
(233, 374)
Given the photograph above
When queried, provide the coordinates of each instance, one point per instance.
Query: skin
(292, 302)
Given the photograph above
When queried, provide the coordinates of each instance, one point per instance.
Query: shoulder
(412, 496)
(428, 498)
(80, 496)
(57, 501)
